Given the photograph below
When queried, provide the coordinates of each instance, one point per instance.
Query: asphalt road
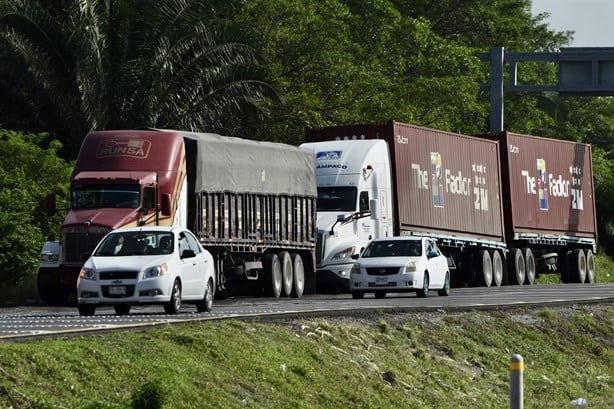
(27, 322)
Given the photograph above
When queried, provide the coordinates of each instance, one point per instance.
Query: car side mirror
(355, 256)
(187, 253)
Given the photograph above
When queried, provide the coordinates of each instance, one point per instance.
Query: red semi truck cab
(120, 179)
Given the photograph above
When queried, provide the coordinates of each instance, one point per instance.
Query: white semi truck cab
(354, 204)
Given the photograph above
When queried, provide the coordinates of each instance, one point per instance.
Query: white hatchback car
(400, 264)
(147, 265)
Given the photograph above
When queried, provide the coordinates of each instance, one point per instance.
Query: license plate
(381, 280)
(117, 290)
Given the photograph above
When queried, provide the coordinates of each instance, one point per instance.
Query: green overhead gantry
(583, 71)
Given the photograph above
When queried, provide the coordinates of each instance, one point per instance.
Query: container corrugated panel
(445, 183)
(548, 184)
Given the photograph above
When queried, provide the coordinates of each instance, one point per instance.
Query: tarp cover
(229, 164)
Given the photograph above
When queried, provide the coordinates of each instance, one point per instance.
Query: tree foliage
(27, 173)
(77, 66)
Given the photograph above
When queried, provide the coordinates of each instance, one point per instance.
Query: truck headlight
(87, 274)
(343, 254)
(50, 257)
(355, 269)
(155, 271)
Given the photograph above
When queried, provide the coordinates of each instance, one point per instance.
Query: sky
(592, 20)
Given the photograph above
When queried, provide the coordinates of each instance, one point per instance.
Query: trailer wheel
(483, 269)
(590, 267)
(272, 275)
(497, 268)
(286, 273)
(578, 266)
(299, 276)
(380, 294)
(529, 263)
(563, 265)
(516, 267)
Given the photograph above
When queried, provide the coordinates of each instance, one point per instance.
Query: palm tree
(75, 66)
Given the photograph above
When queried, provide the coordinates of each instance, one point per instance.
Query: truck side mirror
(374, 209)
(50, 207)
(166, 204)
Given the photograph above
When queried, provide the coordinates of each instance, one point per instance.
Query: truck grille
(78, 240)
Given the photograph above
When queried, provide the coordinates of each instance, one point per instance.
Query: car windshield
(141, 243)
(397, 248)
(91, 196)
(336, 199)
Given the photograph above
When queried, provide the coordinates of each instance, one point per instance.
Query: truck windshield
(96, 196)
(336, 199)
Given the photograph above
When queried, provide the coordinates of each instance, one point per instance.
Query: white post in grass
(516, 393)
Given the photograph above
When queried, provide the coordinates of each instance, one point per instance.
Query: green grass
(423, 360)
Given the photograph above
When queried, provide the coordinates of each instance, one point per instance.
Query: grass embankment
(426, 360)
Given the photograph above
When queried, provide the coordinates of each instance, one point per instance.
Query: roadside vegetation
(439, 359)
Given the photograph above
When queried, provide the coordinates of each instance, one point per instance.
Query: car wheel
(286, 273)
(424, 291)
(445, 290)
(206, 304)
(122, 309)
(380, 294)
(174, 305)
(358, 295)
(86, 309)
(299, 276)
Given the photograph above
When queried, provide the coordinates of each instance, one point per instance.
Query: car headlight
(355, 269)
(346, 253)
(410, 267)
(87, 274)
(155, 271)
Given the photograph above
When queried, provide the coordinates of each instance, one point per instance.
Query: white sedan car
(147, 265)
(400, 264)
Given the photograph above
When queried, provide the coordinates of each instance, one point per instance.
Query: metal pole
(496, 89)
(516, 387)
